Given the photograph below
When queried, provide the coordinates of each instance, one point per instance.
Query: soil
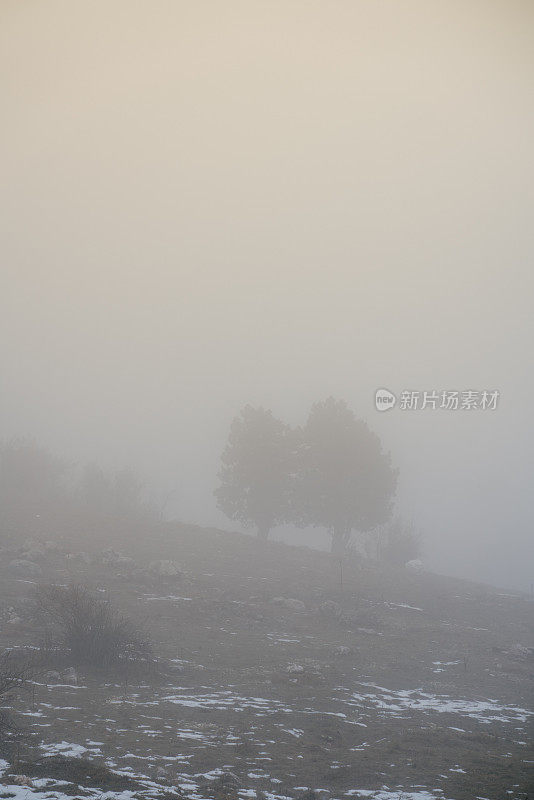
(378, 683)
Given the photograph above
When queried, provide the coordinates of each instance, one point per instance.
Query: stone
(291, 603)
(521, 651)
(70, 676)
(415, 564)
(165, 568)
(330, 609)
(342, 650)
(116, 559)
(21, 780)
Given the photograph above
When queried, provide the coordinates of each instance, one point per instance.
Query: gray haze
(208, 204)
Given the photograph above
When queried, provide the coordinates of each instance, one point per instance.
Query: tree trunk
(263, 532)
(339, 540)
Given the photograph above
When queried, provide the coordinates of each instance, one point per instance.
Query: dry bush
(15, 672)
(93, 632)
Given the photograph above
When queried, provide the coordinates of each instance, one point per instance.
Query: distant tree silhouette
(95, 489)
(255, 471)
(38, 490)
(118, 494)
(345, 482)
(31, 479)
(398, 542)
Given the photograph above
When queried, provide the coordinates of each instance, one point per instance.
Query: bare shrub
(15, 673)
(77, 771)
(93, 632)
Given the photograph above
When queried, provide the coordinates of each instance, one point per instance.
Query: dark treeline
(36, 484)
(330, 473)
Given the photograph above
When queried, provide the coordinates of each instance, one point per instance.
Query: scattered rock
(520, 651)
(415, 564)
(79, 771)
(165, 569)
(290, 603)
(230, 777)
(69, 676)
(224, 787)
(330, 609)
(117, 559)
(21, 780)
(314, 794)
(370, 631)
(350, 617)
(342, 650)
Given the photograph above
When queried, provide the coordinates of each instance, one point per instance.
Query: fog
(210, 204)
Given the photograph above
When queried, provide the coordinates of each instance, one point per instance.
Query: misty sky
(208, 204)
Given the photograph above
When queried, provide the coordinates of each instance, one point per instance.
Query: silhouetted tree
(128, 494)
(16, 672)
(255, 470)
(398, 542)
(31, 479)
(345, 482)
(36, 484)
(95, 490)
(118, 494)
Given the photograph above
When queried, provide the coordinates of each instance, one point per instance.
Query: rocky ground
(279, 672)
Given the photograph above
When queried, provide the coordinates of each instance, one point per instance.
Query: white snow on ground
(382, 794)
(174, 597)
(440, 665)
(397, 703)
(46, 789)
(65, 749)
(59, 685)
(225, 700)
(296, 732)
(363, 695)
(359, 700)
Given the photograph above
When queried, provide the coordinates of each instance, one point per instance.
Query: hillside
(279, 672)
